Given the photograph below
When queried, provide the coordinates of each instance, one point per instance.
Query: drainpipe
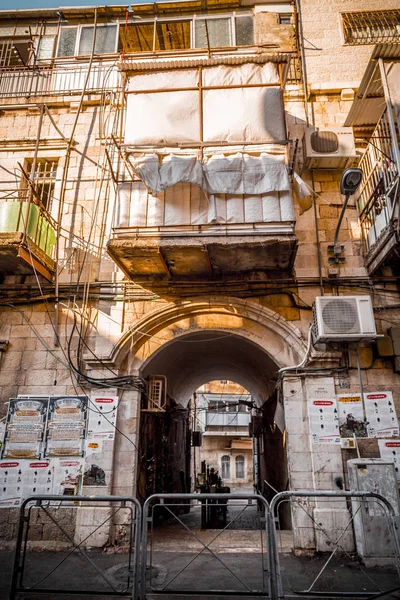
(303, 59)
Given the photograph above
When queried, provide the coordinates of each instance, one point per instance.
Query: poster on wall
(67, 478)
(102, 422)
(66, 428)
(23, 478)
(324, 421)
(381, 414)
(102, 418)
(352, 421)
(25, 427)
(390, 450)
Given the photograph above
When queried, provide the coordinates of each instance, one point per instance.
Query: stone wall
(329, 61)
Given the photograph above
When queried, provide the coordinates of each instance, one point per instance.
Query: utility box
(371, 527)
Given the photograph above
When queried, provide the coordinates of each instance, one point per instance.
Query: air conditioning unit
(197, 439)
(343, 319)
(331, 148)
(156, 398)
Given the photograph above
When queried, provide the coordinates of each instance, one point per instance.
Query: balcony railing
(377, 197)
(20, 215)
(54, 79)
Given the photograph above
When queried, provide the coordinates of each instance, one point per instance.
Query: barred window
(371, 27)
(44, 179)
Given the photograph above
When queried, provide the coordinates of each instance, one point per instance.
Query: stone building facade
(118, 268)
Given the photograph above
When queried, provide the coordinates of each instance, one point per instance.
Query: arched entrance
(190, 343)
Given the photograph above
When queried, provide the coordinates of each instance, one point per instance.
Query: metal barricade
(217, 553)
(77, 546)
(323, 546)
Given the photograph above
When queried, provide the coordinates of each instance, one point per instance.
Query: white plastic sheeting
(184, 114)
(239, 173)
(187, 204)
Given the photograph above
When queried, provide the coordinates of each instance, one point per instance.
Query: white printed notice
(352, 421)
(66, 428)
(390, 450)
(102, 418)
(26, 419)
(324, 422)
(381, 414)
(22, 478)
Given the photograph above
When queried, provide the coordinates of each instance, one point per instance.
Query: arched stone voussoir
(278, 337)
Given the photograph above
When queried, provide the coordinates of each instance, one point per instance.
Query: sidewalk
(298, 572)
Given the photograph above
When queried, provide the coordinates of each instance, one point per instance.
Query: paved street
(205, 573)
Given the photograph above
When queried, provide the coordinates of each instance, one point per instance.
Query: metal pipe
(64, 183)
(205, 88)
(305, 359)
(321, 285)
(303, 60)
(346, 200)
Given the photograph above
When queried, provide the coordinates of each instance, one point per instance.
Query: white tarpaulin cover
(233, 115)
(239, 173)
(187, 204)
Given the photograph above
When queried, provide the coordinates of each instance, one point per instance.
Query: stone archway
(280, 339)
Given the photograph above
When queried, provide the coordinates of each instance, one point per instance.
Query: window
(67, 41)
(226, 467)
(212, 33)
(44, 48)
(105, 39)
(244, 31)
(285, 19)
(239, 464)
(78, 40)
(44, 179)
(371, 27)
(172, 35)
(182, 34)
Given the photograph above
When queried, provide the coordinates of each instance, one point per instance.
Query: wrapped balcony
(209, 197)
(375, 117)
(27, 235)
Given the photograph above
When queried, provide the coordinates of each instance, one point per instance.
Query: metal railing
(20, 213)
(376, 199)
(57, 79)
(333, 538)
(371, 27)
(204, 545)
(25, 583)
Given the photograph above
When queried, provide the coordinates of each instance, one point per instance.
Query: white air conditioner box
(329, 148)
(343, 319)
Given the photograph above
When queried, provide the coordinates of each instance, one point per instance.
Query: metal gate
(95, 515)
(212, 552)
(323, 523)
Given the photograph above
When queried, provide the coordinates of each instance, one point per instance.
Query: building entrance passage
(199, 422)
(184, 559)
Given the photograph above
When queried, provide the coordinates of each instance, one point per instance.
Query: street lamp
(349, 184)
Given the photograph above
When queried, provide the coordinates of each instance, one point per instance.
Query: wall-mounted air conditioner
(156, 396)
(343, 319)
(329, 148)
